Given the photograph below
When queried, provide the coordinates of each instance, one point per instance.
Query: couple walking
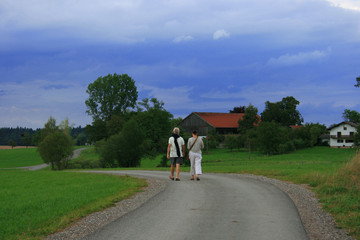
(176, 152)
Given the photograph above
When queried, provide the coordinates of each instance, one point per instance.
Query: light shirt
(197, 146)
(180, 141)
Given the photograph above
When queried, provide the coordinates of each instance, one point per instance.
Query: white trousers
(195, 161)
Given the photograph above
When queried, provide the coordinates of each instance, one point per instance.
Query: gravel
(318, 224)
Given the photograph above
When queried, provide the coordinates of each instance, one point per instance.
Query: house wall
(345, 140)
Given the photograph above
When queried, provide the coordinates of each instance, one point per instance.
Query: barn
(204, 122)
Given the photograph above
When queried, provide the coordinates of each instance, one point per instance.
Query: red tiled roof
(221, 120)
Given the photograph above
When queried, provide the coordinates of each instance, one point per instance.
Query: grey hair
(176, 131)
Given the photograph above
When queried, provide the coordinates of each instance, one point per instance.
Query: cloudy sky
(195, 55)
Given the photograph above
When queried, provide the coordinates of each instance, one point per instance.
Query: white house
(342, 134)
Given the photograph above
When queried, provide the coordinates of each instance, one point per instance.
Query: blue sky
(206, 56)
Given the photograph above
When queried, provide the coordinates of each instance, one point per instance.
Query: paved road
(217, 207)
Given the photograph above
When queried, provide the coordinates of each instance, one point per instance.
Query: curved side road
(217, 207)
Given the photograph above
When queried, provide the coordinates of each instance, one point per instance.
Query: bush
(56, 149)
(124, 149)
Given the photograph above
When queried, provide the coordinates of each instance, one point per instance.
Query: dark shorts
(176, 160)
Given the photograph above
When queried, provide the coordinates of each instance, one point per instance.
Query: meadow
(34, 204)
(19, 157)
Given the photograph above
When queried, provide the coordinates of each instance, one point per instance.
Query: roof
(349, 123)
(221, 120)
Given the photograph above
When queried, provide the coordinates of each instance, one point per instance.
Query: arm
(183, 150)
(168, 151)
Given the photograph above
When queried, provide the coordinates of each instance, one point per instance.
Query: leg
(177, 170)
(198, 169)
(192, 164)
(172, 169)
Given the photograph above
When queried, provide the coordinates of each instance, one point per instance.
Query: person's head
(195, 133)
(176, 131)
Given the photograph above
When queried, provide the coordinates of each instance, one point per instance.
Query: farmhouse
(342, 134)
(223, 123)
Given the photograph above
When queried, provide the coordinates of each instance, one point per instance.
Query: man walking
(175, 152)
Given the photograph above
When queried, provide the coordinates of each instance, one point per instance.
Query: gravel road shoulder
(318, 224)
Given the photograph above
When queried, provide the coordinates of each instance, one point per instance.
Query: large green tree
(351, 116)
(111, 95)
(156, 123)
(283, 112)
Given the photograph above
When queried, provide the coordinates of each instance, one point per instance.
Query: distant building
(223, 123)
(342, 134)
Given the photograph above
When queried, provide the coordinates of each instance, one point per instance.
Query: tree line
(22, 136)
(279, 129)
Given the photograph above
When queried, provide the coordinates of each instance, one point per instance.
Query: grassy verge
(340, 194)
(21, 157)
(34, 204)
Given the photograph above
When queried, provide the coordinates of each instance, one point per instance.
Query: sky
(194, 55)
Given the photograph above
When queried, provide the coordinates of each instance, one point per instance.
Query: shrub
(56, 149)
(124, 149)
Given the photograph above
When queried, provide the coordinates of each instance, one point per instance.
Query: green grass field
(34, 204)
(21, 157)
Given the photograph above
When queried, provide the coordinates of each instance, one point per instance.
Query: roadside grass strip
(35, 204)
(21, 157)
(340, 195)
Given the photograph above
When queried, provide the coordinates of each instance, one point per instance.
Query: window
(349, 141)
(345, 128)
(339, 134)
(339, 141)
(351, 134)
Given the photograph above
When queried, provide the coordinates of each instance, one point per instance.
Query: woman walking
(195, 145)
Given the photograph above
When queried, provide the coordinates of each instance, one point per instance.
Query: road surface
(219, 206)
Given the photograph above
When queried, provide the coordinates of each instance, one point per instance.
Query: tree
(26, 139)
(283, 112)
(111, 95)
(232, 141)
(357, 137)
(240, 109)
(96, 131)
(56, 146)
(272, 138)
(156, 124)
(56, 149)
(124, 149)
(12, 143)
(358, 82)
(351, 116)
(49, 128)
(249, 120)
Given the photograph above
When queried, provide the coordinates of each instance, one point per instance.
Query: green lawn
(34, 204)
(21, 157)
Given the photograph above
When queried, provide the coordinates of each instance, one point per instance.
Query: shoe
(197, 179)
(177, 179)
(171, 178)
(192, 179)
